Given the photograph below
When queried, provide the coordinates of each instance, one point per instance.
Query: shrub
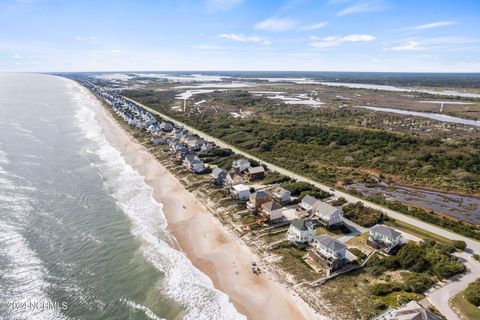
(382, 289)
(358, 253)
(339, 202)
(459, 244)
(472, 293)
(362, 215)
(416, 282)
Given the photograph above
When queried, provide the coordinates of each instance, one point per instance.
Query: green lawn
(468, 310)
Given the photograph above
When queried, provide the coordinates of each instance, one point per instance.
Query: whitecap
(183, 282)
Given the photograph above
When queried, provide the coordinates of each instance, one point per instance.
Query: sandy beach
(205, 241)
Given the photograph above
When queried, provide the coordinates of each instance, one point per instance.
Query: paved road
(438, 298)
(472, 245)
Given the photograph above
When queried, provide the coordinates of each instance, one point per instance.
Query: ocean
(81, 236)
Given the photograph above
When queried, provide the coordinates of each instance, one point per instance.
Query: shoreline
(219, 254)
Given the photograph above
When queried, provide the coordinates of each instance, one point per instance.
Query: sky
(303, 35)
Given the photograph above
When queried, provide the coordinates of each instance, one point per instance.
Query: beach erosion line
(183, 282)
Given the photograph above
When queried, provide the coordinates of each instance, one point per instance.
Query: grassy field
(468, 310)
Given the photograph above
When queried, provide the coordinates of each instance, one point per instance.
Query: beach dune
(217, 253)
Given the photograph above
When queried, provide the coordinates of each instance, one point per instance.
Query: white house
(241, 192)
(282, 195)
(327, 214)
(383, 237)
(241, 165)
(301, 231)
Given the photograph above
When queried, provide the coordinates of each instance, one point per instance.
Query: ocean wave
(183, 282)
(149, 313)
(23, 273)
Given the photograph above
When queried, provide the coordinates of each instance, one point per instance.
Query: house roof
(259, 194)
(413, 311)
(193, 159)
(386, 231)
(218, 171)
(241, 162)
(324, 208)
(234, 176)
(309, 200)
(271, 206)
(280, 190)
(302, 224)
(258, 169)
(241, 187)
(330, 243)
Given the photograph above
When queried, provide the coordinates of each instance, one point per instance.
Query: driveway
(439, 298)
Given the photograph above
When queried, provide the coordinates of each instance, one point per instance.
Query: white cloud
(221, 5)
(205, 47)
(335, 40)
(78, 38)
(407, 46)
(274, 24)
(431, 25)
(16, 56)
(243, 38)
(314, 26)
(370, 6)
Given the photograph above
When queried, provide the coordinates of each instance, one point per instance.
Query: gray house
(383, 238)
(307, 203)
(218, 175)
(329, 252)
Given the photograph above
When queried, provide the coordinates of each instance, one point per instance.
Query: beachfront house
(218, 175)
(383, 238)
(156, 140)
(282, 195)
(410, 311)
(195, 144)
(177, 147)
(193, 163)
(307, 203)
(232, 179)
(329, 252)
(153, 128)
(240, 192)
(301, 231)
(239, 166)
(206, 147)
(257, 199)
(166, 126)
(328, 215)
(256, 173)
(273, 211)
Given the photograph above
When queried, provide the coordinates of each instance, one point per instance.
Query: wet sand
(211, 248)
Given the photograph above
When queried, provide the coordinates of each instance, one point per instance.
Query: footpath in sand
(205, 241)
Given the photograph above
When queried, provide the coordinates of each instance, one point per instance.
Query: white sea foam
(183, 282)
(22, 271)
(149, 313)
